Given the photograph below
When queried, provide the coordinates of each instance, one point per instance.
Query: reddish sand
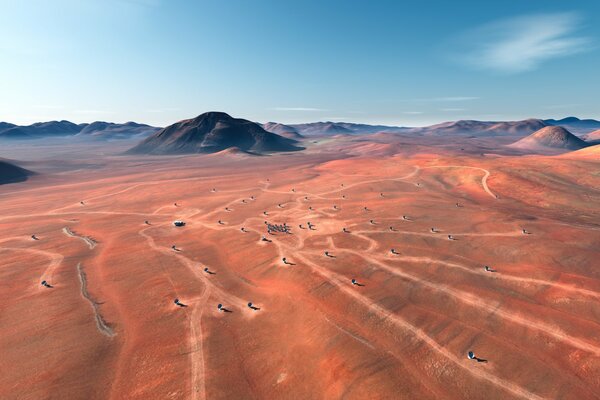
(109, 328)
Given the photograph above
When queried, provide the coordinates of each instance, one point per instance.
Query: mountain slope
(593, 137)
(10, 173)
(212, 132)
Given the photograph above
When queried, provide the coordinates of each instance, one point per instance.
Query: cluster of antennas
(178, 223)
(283, 228)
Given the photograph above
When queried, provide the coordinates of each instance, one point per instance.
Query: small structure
(393, 251)
(46, 284)
(450, 237)
(328, 254)
(404, 217)
(264, 239)
(372, 222)
(179, 303)
(177, 223)
(355, 283)
(488, 269)
(208, 271)
(252, 306)
(345, 230)
(34, 237)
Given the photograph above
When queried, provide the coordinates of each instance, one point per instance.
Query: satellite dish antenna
(250, 304)
(219, 307)
(471, 355)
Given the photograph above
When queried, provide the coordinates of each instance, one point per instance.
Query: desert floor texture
(108, 327)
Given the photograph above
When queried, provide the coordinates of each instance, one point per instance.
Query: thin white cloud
(297, 109)
(523, 43)
(412, 112)
(453, 109)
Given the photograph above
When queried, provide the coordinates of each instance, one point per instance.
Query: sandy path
(100, 323)
(89, 241)
(475, 301)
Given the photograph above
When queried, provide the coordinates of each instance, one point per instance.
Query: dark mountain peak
(212, 132)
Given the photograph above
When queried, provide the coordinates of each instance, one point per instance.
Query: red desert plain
(401, 258)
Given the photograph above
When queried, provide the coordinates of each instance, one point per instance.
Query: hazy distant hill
(283, 130)
(10, 173)
(54, 129)
(550, 137)
(110, 130)
(473, 127)
(575, 125)
(41, 129)
(593, 137)
(212, 132)
(336, 128)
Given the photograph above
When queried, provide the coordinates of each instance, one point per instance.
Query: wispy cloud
(412, 112)
(297, 109)
(523, 43)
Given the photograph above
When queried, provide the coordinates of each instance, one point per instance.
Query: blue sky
(372, 61)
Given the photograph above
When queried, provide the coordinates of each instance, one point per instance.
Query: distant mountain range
(337, 128)
(212, 132)
(55, 129)
(100, 130)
